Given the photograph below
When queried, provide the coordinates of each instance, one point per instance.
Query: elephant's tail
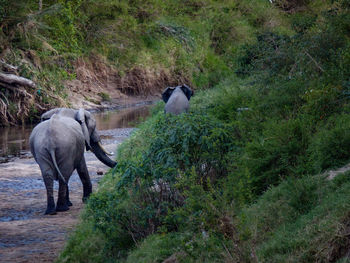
(60, 176)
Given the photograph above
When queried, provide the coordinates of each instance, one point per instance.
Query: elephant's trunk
(101, 155)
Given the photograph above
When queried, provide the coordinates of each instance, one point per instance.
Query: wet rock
(3, 159)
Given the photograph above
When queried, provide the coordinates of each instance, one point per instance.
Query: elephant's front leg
(62, 204)
(85, 179)
(50, 210)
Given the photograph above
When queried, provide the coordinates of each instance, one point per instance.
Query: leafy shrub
(329, 147)
(323, 102)
(290, 5)
(63, 32)
(140, 202)
(267, 54)
(301, 22)
(276, 154)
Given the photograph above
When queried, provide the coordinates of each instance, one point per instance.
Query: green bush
(276, 154)
(62, 27)
(140, 201)
(329, 147)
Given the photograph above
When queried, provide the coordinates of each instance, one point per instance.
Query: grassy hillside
(238, 178)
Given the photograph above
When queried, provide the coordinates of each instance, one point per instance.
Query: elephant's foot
(69, 203)
(62, 208)
(51, 211)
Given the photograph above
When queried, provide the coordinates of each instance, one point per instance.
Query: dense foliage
(238, 179)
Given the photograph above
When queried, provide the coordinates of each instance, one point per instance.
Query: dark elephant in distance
(177, 99)
(57, 144)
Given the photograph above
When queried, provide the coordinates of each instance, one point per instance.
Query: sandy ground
(26, 234)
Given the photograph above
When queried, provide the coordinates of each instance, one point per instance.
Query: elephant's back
(67, 140)
(57, 131)
(65, 132)
(38, 138)
(59, 111)
(177, 103)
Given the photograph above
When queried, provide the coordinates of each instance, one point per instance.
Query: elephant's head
(169, 91)
(88, 127)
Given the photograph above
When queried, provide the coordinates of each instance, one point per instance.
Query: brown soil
(26, 234)
(99, 85)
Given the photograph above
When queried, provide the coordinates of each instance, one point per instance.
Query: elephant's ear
(91, 125)
(80, 117)
(47, 115)
(187, 90)
(167, 93)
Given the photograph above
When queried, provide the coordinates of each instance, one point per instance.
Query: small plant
(105, 96)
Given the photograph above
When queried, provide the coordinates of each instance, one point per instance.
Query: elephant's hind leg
(50, 210)
(69, 203)
(62, 204)
(85, 179)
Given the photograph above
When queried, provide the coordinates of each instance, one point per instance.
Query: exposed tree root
(11, 112)
(5, 116)
(17, 98)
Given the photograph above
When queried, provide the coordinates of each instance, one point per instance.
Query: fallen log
(13, 79)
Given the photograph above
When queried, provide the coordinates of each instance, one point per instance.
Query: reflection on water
(14, 141)
(126, 118)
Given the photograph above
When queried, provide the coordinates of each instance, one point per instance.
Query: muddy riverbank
(26, 234)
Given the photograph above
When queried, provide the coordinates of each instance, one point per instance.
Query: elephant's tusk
(103, 149)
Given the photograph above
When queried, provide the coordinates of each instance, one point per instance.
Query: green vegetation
(104, 96)
(238, 178)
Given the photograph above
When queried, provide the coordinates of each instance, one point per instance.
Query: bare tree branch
(313, 60)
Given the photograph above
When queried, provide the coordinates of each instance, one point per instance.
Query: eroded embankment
(26, 234)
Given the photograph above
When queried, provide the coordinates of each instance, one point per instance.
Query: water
(126, 118)
(14, 141)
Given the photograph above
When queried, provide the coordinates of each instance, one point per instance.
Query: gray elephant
(57, 144)
(177, 99)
